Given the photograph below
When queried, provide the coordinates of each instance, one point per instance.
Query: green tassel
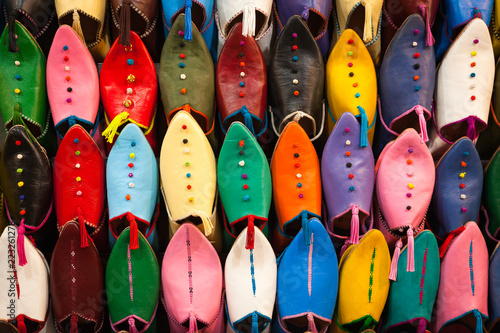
(17, 119)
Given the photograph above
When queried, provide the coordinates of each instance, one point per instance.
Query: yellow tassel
(77, 25)
(110, 131)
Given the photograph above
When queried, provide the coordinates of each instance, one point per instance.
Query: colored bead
(473, 53)
(414, 44)
(348, 143)
(246, 197)
(129, 91)
(78, 179)
(183, 91)
(131, 78)
(127, 197)
(476, 41)
(348, 165)
(351, 176)
(301, 195)
(191, 199)
(188, 175)
(17, 63)
(242, 84)
(188, 187)
(18, 143)
(22, 212)
(77, 153)
(242, 74)
(184, 127)
(66, 58)
(19, 170)
(133, 143)
(182, 44)
(245, 187)
(182, 56)
(244, 176)
(66, 68)
(462, 185)
(181, 33)
(351, 188)
(296, 93)
(349, 64)
(347, 153)
(295, 58)
(297, 165)
(299, 185)
(465, 154)
(298, 175)
(411, 186)
(241, 54)
(18, 77)
(131, 165)
(186, 150)
(242, 94)
(350, 41)
(416, 31)
(79, 193)
(77, 165)
(295, 81)
(351, 74)
(131, 185)
(131, 175)
(417, 88)
(187, 163)
(410, 150)
(416, 55)
(68, 78)
(415, 78)
(130, 62)
(473, 98)
(20, 184)
(69, 89)
(408, 195)
(349, 53)
(357, 95)
(294, 35)
(355, 84)
(408, 207)
(68, 100)
(294, 47)
(76, 141)
(241, 152)
(472, 64)
(464, 164)
(462, 175)
(416, 66)
(296, 155)
(132, 155)
(241, 163)
(183, 76)
(21, 197)
(181, 65)
(242, 64)
(464, 210)
(242, 43)
(472, 74)
(409, 161)
(241, 143)
(463, 196)
(17, 91)
(19, 156)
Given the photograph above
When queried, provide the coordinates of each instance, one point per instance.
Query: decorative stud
(187, 163)
(242, 43)
(132, 155)
(17, 63)
(130, 78)
(351, 176)
(408, 195)
(473, 98)
(472, 74)
(184, 127)
(130, 62)
(473, 53)
(463, 164)
(69, 89)
(472, 64)
(464, 210)
(79, 193)
(241, 152)
(242, 84)
(416, 55)
(186, 150)
(66, 58)
(18, 143)
(350, 41)
(188, 175)
(20, 184)
(242, 74)
(295, 58)
(357, 95)
(241, 54)
(355, 84)
(78, 179)
(298, 175)
(190, 199)
(296, 155)
(131, 165)
(297, 165)
(19, 156)
(349, 53)
(244, 176)
(77, 165)
(19, 170)
(242, 94)
(181, 65)
(463, 197)
(350, 64)
(462, 185)
(462, 175)
(295, 81)
(130, 175)
(76, 141)
(66, 68)
(349, 165)
(17, 91)
(77, 153)
(294, 35)
(416, 66)
(18, 77)
(351, 188)
(416, 77)
(241, 143)
(245, 187)
(348, 143)
(68, 100)
(465, 154)
(416, 31)
(242, 64)
(414, 44)
(68, 78)
(183, 76)
(246, 197)
(182, 44)
(241, 163)
(301, 195)
(411, 186)
(22, 212)
(181, 33)
(131, 185)
(409, 161)
(347, 153)
(127, 197)
(182, 56)
(183, 91)
(351, 74)
(21, 197)
(188, 187)
(476, 41)
(294, 48)
(410, 150)
(296, 93)
(417, 88)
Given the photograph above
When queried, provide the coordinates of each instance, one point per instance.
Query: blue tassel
(248, 118)
(255, 323)
(305, 228)
(188, 33)
(363, 141)
(479, 321)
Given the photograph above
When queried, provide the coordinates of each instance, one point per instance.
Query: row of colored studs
(410, 174)
(298, 175)
(348, 154)
(473, 75)
(350, 64)
(242, 74)
(130, 175)
(186, 150)
(463, 164)
(295, 59)
(241, 145)
(20, 183)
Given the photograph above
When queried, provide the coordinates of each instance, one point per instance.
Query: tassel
(193, 324)
(471, 130)
(311, 325)
(422, 122)
(74, 324)
(421, 326)
(247, 116)
(305, 14)
(134, 232)
(12, 32)
(425, 15)
(368, 31)
(77, 25)
(395, 258)
(188, 24)
(207, 222)
(20, 244)
(354, 225)
(84, 242)
(17, 119)
(248, 28)
(110, 131)
(444, 247)
(477, 13)
(305, 228)
(368, 323)
(131, 326)
(410, 265)
(346, 245)
(255, 322)
(124, 38)
(21, 326)
(250, 233)
(479, 321)
(363, 141)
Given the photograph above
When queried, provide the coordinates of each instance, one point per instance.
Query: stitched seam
(73, 273)
(370, 288)
(252, 271)
(423, 277)
(190, 266)
(471, 269)
(130, 274)
(309, 267)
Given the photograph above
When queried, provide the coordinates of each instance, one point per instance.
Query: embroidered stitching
(130, 274)
(423, 277)
(252, 271)
(370, 288)
(73, 273)
(471, 269)
(190, 266)
(309, 267)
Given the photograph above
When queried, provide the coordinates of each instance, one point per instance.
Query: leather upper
(230, 11)
(311, 260)
(145, 15)
(457, 191)
(132, 284)
(460, 13)
(26, 179)
(363, 282)
(412, 295)
(75, 100)
(22, 78)
(190, 261)
(76, 276)
(28, 13)
(300, 86)
(491, 193)
(79, 179)
(183, 65)
(494, 290)
(464, 267)
(407, 8)
(241, 82)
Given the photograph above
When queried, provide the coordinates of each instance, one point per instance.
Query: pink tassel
(425, 14)
(84, 242)
(346, 245)
(395, 258)
(421, 326)
(74, 324)
(20, 244)
(131, 325)
(311, 326)
(355, 225)
(423, 123)
(193, 324)
(250, 233)
(471, 130)
(410, 266)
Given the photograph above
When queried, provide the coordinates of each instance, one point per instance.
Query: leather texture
(26, 179)
(491, 193)
(315, 12)
(343, 157)
(241, 82)
(407, 78)
(296, 94)
(28, 288)
(129, 88)
(296, 183)
(307, 300)
(412, 295)
(131, 181)
(75, 100)
(183, 65)
(459, 14)
(453, 205)
(351, 82)
(28, 13)
(250, 297)
(464, 84)
(79, 180)
(132, 284)
(187, 151)
(463, 298)
(234, 171)
(76, 277)
(190, 262)
(23, 84)
(363, 283)
(493, 323)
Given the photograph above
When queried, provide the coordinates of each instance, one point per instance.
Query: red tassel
(74, 324)
(83, 230)
(444, 247)
(21, 326)
(20, 244)
(134, 232)
(250, 233)
(395, 258)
